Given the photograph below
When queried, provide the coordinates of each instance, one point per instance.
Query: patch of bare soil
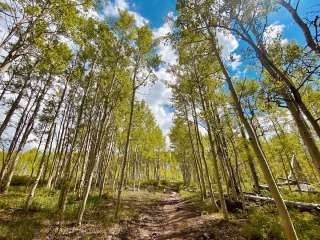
(173, 218)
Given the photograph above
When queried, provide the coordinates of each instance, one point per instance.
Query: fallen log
(302, 206)
(290, 182)
(303, 187)
(266, 187)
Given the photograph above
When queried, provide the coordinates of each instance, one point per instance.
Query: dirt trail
(173, 218)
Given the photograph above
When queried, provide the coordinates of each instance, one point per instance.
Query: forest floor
(147, 215)
(143, 215)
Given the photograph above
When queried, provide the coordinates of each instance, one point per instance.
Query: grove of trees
(265, 123)
(71, 119)
(68, 90)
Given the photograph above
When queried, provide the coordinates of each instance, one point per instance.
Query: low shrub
(263, 225)
(307, 225)
(23, 180)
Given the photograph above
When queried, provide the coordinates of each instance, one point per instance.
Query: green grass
(17, 223)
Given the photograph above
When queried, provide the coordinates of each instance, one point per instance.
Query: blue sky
(153, 10)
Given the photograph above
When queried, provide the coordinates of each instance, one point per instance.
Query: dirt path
(173, 218)
(144, 216)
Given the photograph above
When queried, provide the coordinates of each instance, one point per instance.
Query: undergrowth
(262, 221)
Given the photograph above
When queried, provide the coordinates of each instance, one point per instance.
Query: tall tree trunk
(252, 166)
(94, 157)
(48, 158)
(198, 169)
(305, 134)
(62, 135)
(43, 158)
(214, 157)
(283, 211)
(14, 106)
(28, 129)
(40, 169)
(222, 147)
(213, 200)
(65, 184)
(126, 151)
(84, 167)
(106, 164)
(19, 130)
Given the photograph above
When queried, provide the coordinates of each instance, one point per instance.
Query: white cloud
(229, 44)
(236, 61)
(203, 131)
(158, 96)
(140, 20)
(165, 49)
(90, 13)
(114, 7)
(273, 32)
(165, 76)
